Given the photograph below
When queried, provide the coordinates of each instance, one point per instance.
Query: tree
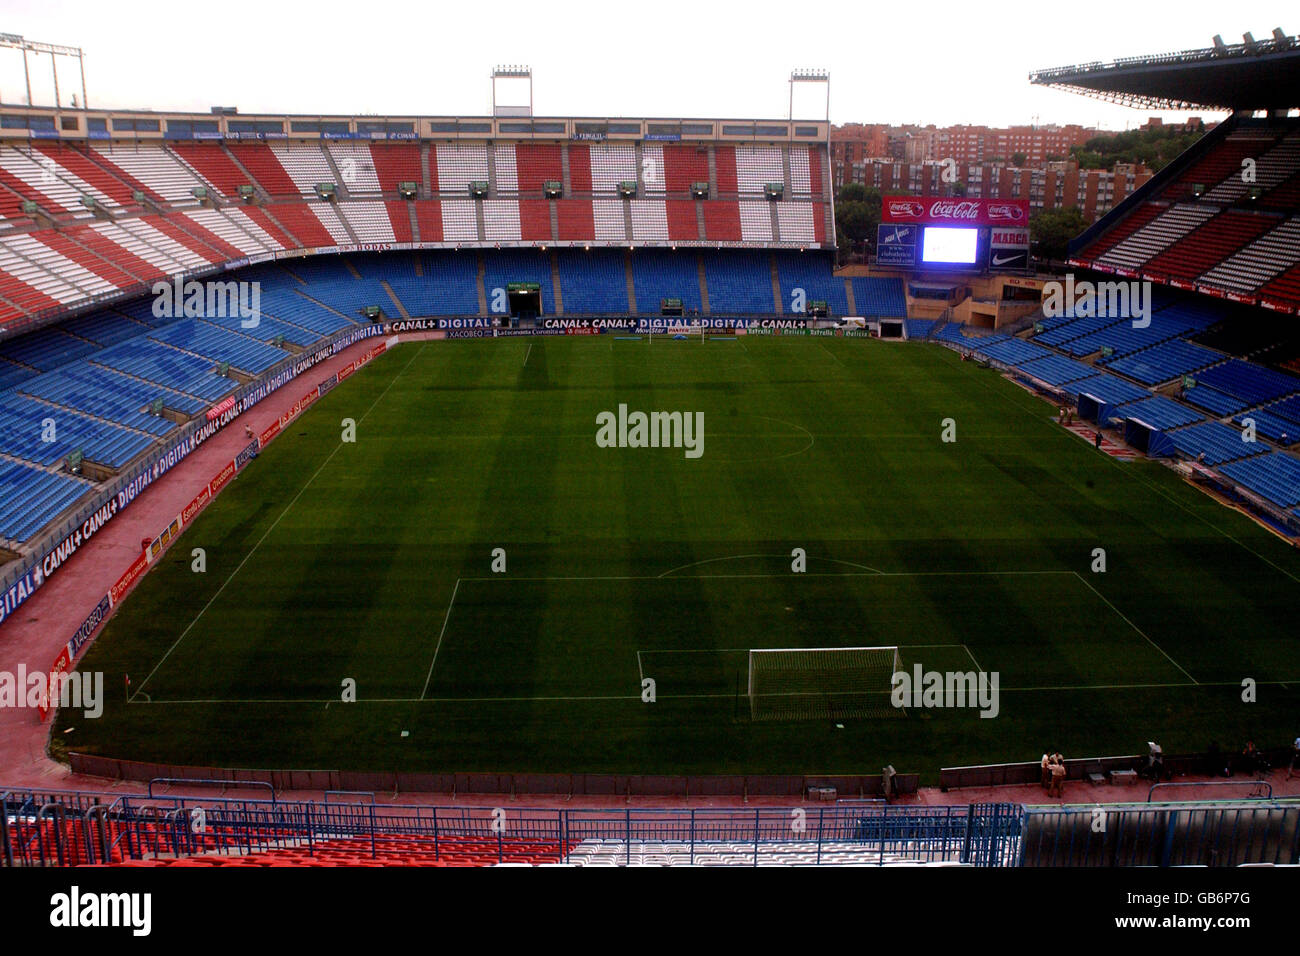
(1018, 159)
(1155, 147)
(1052, 229)
(857, 214)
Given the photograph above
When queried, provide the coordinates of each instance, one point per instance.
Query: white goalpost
(822, 683)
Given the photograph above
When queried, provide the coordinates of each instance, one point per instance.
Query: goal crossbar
(810, 683)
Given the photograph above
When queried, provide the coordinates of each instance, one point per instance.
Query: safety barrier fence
(73, 828)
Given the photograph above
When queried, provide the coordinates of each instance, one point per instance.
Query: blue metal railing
(66, 828)
(72, 827)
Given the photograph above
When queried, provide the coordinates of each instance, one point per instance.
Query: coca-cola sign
(974, 212)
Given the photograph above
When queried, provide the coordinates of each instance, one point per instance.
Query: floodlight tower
(512, 72)
(824, 78)
(811, 76)
(15, 42)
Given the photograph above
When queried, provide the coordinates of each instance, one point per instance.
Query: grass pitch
(372, 562)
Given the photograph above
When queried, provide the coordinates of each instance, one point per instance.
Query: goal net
(822, 683)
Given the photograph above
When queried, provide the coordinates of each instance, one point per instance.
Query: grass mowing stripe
(475, 448)
(268, 531)
(1134, 626)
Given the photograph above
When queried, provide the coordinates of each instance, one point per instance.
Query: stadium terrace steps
(1284, 288)
(812, 273)
(520, 265)
(659, 274)
(352, 167)
(1201, 249)
(1274, 476)
(86, 257)
(606, 852)
(151, 361)
(1271, 169)
(457, 166)
(1252, 383)
(1057, 370)
(160, 171)
(387, 849)
(1214, 443)
(23, 251)
(1108, 388)
(592, 281)
(920, 329)
(1275, 428)
(1156, 236)
(1213, 400)
(1160, 412)
(21, 434)
(306, 165)
(879, 297)
(211, 164)
(1222, 161)
(396, 163)
(41, 179)
(1261, 260)
(1164, 362)
(263, 165)
(1011, 351)
(31, 498)
(78, 164)
(738, 283)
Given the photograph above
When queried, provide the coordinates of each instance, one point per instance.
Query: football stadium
(524, 489)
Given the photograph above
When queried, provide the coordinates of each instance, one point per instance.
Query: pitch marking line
(273, 526)
(768, 574)
(737, 650)
(1150, 486)
(438, 646)
(728, 696)
(743, 557)
(847, 574)
(1134, 626)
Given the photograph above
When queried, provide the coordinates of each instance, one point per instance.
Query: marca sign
(971, 212)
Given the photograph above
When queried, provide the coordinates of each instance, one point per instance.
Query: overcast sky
(923, 62)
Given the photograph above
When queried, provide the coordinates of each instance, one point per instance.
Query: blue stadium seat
(1216, 442)
(879, 297)
(659, 275)
(593, 281)
(30, 498)
(814, 273)
(1160, 412)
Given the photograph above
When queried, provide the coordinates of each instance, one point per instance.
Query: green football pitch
(374, 564)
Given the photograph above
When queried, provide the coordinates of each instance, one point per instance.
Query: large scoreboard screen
(949, 245)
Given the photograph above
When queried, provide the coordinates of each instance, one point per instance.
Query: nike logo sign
(1003, 260)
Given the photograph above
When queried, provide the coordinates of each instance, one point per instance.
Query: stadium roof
(1254, 75)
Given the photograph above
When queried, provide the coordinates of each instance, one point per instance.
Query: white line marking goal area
(512, 638)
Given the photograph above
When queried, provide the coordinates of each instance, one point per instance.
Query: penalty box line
(424, 698)
(745, 650)
(320, 702)
(868, 572)
(274, 524)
